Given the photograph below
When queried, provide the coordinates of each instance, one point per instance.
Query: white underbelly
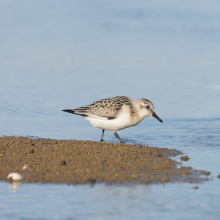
(113, 124)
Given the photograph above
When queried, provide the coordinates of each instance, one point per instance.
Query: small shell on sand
(24, 167)
(14, 177)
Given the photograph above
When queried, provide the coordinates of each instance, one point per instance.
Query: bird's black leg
(102, 135)
(117, 136)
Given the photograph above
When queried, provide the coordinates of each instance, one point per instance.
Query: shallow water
(196, 138)
(57, 55)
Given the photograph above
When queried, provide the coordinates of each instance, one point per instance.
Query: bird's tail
(78, 111)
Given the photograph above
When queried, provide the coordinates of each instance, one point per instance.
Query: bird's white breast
(123, 120)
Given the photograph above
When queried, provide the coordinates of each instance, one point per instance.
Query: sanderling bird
(115, 113)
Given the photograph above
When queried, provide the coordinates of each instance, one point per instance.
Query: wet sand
(79, 162)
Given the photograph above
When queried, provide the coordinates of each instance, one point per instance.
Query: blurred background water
(64, 54)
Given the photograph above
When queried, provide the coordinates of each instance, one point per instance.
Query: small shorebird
(115, 113)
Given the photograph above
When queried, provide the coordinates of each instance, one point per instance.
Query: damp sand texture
(79, 162)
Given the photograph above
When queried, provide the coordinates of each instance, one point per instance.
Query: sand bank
(79, 162)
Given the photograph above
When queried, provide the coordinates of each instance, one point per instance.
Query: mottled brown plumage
(109, 107)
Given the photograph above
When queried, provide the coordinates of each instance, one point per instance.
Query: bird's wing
(107, 108)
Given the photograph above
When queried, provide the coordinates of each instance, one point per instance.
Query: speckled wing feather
(107, 108)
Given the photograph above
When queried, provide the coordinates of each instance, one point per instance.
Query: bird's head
(147, 108)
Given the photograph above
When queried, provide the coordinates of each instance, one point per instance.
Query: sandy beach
(80, 162)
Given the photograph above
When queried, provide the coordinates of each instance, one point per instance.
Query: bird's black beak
(155, 116)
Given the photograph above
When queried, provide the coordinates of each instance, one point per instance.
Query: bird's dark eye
(147, 107)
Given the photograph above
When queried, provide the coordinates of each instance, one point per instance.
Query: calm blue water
(198, 139)
(56, 55)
